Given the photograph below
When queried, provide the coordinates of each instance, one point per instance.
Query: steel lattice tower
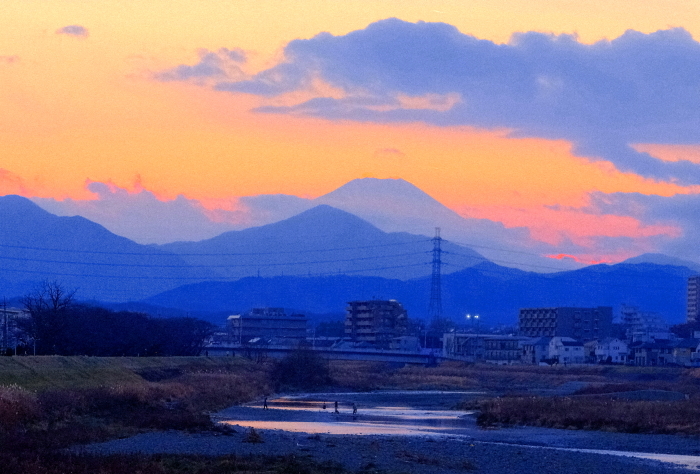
(435, 308)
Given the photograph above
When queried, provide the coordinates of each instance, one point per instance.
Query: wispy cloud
(222, 64)
(74, 30)
(389, 153)
(141, 215)
(11, 183)
(680, 211)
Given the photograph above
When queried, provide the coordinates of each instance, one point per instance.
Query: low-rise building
(566, 350)
(405, 344)
(611, 350)
(685, 352)
(503, 350)
(535, 350)
(268, 324)
(13, 322)
(490, 348)
(464, 346)
(659, 352)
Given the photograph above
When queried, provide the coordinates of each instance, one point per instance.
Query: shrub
(301, 369)
(253, 436)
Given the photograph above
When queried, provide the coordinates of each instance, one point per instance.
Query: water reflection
(417, 414)
(307, 414)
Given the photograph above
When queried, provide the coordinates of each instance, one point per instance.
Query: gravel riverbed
(458, 449)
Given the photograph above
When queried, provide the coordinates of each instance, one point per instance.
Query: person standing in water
(354, 409)
(265, 404)
(336, 407)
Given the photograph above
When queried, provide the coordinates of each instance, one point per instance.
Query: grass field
(56, 372)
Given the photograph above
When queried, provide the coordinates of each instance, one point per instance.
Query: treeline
(57, 325)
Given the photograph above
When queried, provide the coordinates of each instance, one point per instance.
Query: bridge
(328, 353)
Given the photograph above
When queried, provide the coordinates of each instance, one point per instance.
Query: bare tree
(48, 306)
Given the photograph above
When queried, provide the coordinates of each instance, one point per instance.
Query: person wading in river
(336, 407)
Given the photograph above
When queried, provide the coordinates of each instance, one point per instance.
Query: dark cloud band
(638, 88)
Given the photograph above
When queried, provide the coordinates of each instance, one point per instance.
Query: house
(611, 350)
(685, 351)
(565, 350)
(659, 352)
(535, 350)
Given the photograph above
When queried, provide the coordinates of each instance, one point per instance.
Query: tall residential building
(643, 325)
(267, 323)
(584, 324)
(693, 310)
(375, 321)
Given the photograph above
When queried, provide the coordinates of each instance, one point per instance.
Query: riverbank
(442, 448)
(51, 403)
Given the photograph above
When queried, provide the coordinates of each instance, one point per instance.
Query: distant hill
(395, 205)
(495, 292)
(36, 245)
(322, 240)
(661, 259)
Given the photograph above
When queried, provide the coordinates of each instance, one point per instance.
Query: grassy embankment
(51, 402)
(48, 403)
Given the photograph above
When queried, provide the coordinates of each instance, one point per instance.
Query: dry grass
(679, 417)
(17, 407)
(462, 376)
(118, 400)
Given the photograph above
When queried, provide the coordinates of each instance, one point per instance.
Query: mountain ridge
(497, 293)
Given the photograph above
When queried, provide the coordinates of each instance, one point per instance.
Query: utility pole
(435, 308)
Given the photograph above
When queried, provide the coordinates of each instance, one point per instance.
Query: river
(428, 413)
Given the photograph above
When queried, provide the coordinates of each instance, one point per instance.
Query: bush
(301, 369)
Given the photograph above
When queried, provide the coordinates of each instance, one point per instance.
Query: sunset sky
(577, 120)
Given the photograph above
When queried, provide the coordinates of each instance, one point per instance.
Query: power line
(186, 266)
(163, 253)
(499, 249)
(203, 279)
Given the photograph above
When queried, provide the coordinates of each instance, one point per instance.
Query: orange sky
(77, 109)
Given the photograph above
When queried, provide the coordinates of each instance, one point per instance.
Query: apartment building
(375, 321)
(583, 324)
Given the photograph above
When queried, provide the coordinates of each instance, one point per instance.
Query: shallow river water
(429, 414)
